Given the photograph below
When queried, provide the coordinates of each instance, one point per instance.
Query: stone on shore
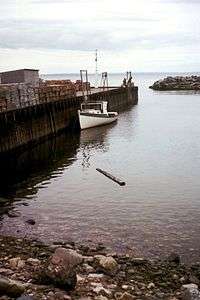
(174, 258)
(127, 296)
(61, 268)
(11, 287)
(137, 261)
(25, 297)
(99, 276)
(16, 263)
(14, 214)
(101, 298)
(30, 221)
(107, 265)
(33, 261)
(190, 292)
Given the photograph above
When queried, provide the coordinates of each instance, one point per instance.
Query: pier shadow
(22, 172)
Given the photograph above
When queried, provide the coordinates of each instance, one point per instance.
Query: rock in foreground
(190, 292)
(11, 287)
(84, 273)
(107, 265)
(61, 268)
(177, 83)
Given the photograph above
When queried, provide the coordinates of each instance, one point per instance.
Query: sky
(138, 35)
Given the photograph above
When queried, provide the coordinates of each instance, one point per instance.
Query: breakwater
(177, 83)
(28, 125)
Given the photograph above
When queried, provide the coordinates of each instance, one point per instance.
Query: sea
(154, 147)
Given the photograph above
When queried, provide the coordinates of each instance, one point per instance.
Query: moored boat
(94, 114)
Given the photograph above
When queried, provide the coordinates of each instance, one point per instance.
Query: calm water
(154, 147)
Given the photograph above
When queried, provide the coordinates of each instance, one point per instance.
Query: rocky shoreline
(63, 270)
(177, 83)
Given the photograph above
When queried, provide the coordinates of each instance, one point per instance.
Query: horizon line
(142, 72)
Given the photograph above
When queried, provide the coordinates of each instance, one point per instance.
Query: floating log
(115, 179)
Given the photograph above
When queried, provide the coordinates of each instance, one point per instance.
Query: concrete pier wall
(118, 98)
(29, 125)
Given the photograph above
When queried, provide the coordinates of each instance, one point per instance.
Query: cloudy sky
(60, 36)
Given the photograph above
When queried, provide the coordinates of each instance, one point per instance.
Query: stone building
(27, 76)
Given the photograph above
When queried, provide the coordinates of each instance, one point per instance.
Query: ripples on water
(154, 147)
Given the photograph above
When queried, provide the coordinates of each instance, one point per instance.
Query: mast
(96, 68)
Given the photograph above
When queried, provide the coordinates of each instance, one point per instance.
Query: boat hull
(87, 120)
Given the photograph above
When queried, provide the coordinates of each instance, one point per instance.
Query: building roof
(35, 70)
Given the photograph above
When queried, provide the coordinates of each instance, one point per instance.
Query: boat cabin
(95, 107)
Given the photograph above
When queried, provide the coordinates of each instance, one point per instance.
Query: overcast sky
(60, 36)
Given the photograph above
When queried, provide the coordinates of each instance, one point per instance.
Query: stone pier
(26, 126)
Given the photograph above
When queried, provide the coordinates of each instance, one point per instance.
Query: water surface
(154, 147)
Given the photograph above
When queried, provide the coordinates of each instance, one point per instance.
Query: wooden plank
(110, 176)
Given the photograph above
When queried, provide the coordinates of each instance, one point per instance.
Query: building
(29, 76)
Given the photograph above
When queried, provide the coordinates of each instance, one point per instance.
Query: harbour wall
(27, 126)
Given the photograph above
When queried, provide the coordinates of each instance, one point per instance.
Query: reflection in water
(93, 139)
(23, 173)
(181, 92)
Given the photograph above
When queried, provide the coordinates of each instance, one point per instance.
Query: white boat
(94, 114)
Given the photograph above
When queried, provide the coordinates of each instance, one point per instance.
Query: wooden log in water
(115, 179)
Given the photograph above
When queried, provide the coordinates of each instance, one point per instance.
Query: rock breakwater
(177, 83)
(30, 270)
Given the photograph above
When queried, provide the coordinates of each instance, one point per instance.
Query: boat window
(92, 106)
